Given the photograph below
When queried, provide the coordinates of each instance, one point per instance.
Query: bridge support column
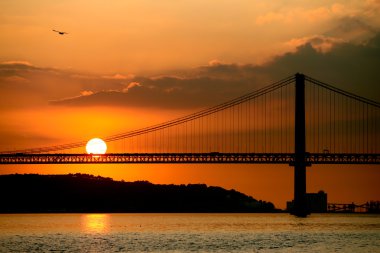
(300, 204)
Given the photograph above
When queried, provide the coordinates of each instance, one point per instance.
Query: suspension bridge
(298, 121)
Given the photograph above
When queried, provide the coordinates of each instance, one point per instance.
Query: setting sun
(96, 146)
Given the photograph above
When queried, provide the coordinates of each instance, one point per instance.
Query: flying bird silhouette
(59, 32)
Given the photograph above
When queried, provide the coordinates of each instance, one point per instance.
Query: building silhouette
(316, 203)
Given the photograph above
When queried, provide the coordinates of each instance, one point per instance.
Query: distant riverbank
(82, 193)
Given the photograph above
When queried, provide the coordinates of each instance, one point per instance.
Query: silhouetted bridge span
(250, 158)
(297, 121)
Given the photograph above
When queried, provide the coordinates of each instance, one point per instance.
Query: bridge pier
(300, 205)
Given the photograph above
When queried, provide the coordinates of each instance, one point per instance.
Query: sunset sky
(130, 64)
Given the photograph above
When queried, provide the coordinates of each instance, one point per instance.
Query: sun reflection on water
(95, 223)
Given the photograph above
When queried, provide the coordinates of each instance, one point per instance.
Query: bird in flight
(59, 32)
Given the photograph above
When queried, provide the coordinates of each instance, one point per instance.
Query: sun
(96, 146)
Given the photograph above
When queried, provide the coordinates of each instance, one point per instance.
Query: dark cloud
(352, 28)
(352, 67)
(347, 66)
(162, 92)
(25, 85)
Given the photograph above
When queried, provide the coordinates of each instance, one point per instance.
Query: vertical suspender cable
(249, 126)
(334, 119)
(318, 148)
(330, 122)
(265, 122)
(367, 128)
(281, 115)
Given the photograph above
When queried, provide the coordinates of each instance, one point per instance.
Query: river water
(189, 233)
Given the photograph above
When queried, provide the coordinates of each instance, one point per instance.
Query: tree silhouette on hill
(88, 193)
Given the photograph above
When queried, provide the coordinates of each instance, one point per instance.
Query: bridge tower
(300, 205)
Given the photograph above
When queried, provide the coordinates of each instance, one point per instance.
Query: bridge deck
(214, 157)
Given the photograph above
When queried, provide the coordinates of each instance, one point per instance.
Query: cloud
(320, 43)
(15, 68)
(86, 93)
(352, 29)
(24, 63)
(325, 58)
(131, 85)
(119, 77)
(15, 79)
(24, 85)
(163, 92)
(355, 21)
(350, 66)
(215, 62)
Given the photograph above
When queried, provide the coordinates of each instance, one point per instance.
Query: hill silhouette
(87, 193)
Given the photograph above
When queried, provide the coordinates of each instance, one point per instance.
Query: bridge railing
(214, 157)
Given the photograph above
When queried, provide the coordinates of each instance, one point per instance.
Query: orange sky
(130, 64)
